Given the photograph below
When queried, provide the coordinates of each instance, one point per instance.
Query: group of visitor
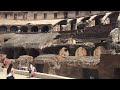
(10, 70)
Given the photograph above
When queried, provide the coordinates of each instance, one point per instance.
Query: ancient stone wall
(105, 69)
(40, 14)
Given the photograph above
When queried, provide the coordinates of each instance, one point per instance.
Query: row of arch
(107, 18)
(81, 51)
(35, 28)
(14, 53)
(78, 23)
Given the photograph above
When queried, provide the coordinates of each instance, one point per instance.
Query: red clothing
(5, 61)
(33, 71)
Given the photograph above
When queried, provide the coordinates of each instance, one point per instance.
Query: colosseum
(77, 44)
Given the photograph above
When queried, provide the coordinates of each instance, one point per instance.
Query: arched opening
(113, 17)
(33, 52)
(99, 50)
(85, 21)
(81, 26)
(9, 52)
(98, 19)
(81, 52)
(21, 51)
(44, 29)
(61, 25)
(13, 28)
(3, 28)
(24, 29)
(64, 52)
(34, 29)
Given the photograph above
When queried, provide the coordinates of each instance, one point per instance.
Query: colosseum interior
(77, 44)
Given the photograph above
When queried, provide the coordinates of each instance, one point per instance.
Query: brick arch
(81, 52)
(99, 50)
(63, 52)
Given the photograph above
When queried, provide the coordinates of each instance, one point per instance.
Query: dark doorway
(9, 52)
(34, 52)
(3, 28)
(35, 16)
(117, 73)
(34, 29)
(45, 29)
(90, 73)
(21, 51)
(13, 28)
(24, 29)
(39, 67)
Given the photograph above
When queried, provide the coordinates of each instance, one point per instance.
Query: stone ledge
(39, 75)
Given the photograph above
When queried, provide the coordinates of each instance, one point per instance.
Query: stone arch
(22, 51)
(13, 28)
(99, 50)
(81, 52)
(64, 52)
(24, 29)
(33, 52)
(98, 19)
(9, 52)
(45, 29)
(34, 29)
(3, 28)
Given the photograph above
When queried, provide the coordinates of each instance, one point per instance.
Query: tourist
(4, 62)
(31, 70)
(10, 72)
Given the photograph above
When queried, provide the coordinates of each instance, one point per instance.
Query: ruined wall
(107, 65)
(75, 69)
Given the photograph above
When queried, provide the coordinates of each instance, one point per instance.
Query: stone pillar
(68, 27)
(29, 28)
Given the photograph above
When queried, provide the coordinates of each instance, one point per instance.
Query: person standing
(31, 70)
(10, 72)
(5, 62)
